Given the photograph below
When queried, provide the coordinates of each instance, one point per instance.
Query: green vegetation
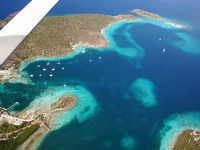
(53, 35)
(6, 127)
(186, 141)
(12, 143)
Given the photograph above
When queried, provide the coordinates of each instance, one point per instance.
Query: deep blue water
(184, 10)
(109, 79)
(175, 74)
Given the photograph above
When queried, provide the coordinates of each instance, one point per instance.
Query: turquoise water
(126, 91)
(136, 84)
(136, 94)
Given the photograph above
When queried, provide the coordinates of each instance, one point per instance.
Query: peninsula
(15, 129)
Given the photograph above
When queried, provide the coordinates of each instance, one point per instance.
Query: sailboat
(31, 75)
(53, 69)
(164, 50)
(51, 75)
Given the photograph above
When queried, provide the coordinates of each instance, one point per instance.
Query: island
(156, 17)
(146, 14)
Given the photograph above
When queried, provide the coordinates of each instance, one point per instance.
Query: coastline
(48, 45)
(17, 59)
(175, 125)
(56, 117)
(45, 117)
(12, 65)
(50, 114)
(40, 134)
(47, 106)
(174, 142)
(34, 140)
(186, 139)
(175, 139)
(157, 17)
